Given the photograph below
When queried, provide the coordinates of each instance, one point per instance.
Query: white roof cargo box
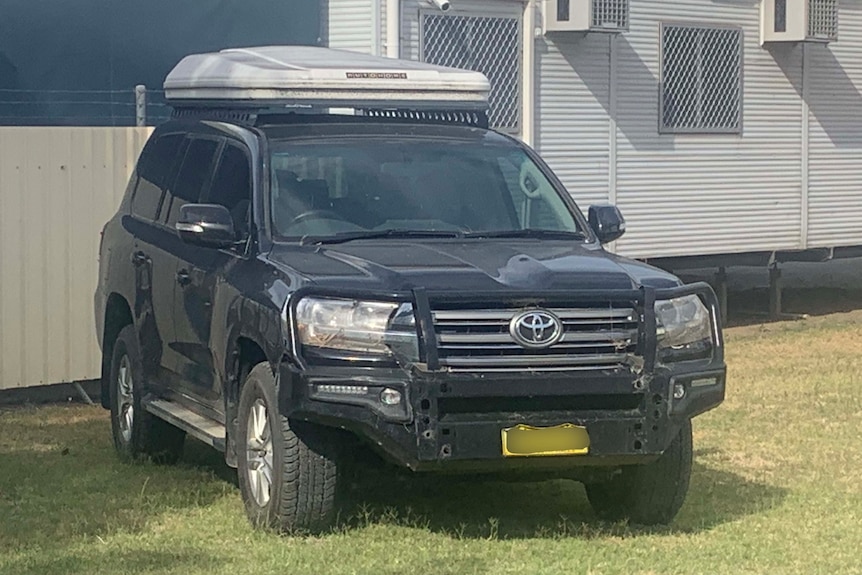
(311, 76)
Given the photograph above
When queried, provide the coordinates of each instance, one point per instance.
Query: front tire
(650, 494)
(287, 469)
(136, 432)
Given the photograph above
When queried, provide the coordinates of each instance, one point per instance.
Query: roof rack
(308, 78)
(251, 117)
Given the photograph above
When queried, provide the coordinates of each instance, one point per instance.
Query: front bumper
(452, 421)
(455, 423)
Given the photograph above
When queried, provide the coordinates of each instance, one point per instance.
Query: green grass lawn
(777, 488)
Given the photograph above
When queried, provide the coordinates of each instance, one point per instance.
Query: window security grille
(701, 72)
(823, 19)
(491, 45)
(610, 14)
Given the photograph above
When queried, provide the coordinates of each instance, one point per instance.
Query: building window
(491, 45)
(780, 17)
(701, 79)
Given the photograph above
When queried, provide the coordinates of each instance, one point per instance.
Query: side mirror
(607, 222)
(207, 225)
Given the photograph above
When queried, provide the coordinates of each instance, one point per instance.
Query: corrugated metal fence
(58, 186)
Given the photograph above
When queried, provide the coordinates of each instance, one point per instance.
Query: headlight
(683, 326)
(370, 327)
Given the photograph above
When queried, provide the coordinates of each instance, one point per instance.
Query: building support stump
(721, 292)
(83, 393)
(775, 292)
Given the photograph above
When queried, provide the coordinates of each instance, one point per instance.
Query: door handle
(184, 278)
(139, 258)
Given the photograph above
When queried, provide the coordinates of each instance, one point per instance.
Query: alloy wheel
(259, 453)
(125, 398)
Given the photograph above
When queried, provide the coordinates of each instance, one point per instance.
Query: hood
(466, 265)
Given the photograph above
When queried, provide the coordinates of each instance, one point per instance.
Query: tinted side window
(154, 168)
(191, 177)
(232, 181)
(231, 186)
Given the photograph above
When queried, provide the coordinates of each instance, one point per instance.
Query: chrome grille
(479, 339)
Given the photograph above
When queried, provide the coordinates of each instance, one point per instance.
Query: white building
(720, 127)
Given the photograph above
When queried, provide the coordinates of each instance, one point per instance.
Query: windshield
(332, 189)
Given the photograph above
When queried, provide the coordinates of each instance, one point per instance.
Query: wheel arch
(118, 314)
(246, 350)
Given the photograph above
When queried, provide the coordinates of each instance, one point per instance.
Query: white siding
(382, 25)
(349, 24)
(573, 127)
(704, 194)
(410, 40)
(769, 188)
(835, 155)
(682, 194)
(58, 186)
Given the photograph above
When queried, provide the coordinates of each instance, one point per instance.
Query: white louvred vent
(798, 21)
(610, 15)
(586, 15)
(823, 19)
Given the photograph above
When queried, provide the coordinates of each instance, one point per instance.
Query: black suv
(286, 287)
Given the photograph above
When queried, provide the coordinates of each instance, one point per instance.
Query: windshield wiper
(529, 233)
(343, 237)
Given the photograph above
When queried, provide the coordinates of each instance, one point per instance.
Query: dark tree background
(106, 47)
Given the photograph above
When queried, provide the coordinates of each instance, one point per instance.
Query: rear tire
(287, 469)
(650, 494)
(136, 432)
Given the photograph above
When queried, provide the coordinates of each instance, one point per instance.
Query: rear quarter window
(154, 169)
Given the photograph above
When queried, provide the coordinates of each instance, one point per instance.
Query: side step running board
(207, 430)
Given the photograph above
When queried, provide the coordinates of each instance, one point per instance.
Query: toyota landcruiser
(323, 249)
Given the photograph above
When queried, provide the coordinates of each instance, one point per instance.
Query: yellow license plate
(528, 441)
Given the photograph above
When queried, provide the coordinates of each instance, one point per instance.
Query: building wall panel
(572, 112)
(768, 188)
(349, 24)
(835, 124)
(58, 186)
(688, 194)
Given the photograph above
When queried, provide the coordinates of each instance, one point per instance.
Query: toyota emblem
(536, 329)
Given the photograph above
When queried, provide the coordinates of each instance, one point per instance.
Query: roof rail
(462, 117)
(246, 117)
(269, 116)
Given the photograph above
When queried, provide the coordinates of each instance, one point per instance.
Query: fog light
(678, 391)
(342, 389)
(390, 396)
(704, 382)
